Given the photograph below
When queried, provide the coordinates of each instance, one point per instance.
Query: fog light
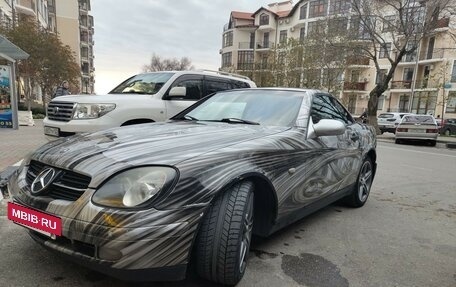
(109, 254)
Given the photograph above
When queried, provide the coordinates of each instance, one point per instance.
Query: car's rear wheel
(223, 241)
(433, 143)
(398, 141)
(361, 191)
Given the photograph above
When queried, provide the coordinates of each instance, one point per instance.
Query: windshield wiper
(238, 121)
(190, 118)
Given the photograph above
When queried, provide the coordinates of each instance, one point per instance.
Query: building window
(316, 27)
(339, 7)
(451, 104)
(302, 33)
(245, 60)
(404, 102)
(303, 12)
(228, 39)
(338, 25)
(389, 23)
(283, 36)
(453, 73)
(424, 102)
(381, 102)
(226, 59)
(380, 76)
(318, 8)
(264, 19)
(385, 50)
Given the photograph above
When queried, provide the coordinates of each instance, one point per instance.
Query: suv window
(193, 85)
(213, 86)
(240, 85)
(325, 107)
(386, 116)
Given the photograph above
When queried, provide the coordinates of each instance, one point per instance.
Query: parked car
(448, 127)
(138, 202)
(388, 122)
(417, 127)
(148, 97)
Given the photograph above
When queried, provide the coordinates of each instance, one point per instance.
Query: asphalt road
(404, 236)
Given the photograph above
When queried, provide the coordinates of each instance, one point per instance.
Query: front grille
(60, 111)
(67, 185)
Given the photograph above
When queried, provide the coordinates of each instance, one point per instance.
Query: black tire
(398, 141)
(361, 191)
(223, 240)
(433, 143)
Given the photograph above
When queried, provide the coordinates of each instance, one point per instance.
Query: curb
(440, 144)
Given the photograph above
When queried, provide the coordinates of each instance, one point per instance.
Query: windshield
(418, 119)
(143, 84)
(385, 116)
(264, 107)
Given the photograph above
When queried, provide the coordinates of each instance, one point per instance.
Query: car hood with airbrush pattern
(113, 150)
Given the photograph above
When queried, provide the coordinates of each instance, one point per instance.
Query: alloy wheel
(247, 235)
(365, 181)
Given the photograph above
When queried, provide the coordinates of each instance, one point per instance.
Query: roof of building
(242, 15)
(283, 13)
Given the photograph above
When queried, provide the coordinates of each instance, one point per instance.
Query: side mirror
(328, 127)
(178, 92)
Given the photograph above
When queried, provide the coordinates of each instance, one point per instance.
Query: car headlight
(92, 111)
(134, 187)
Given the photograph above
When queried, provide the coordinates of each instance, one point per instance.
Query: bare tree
(171, 64)
(397, 25)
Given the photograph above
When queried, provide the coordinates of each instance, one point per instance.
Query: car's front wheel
(223, 241)
(361, 191)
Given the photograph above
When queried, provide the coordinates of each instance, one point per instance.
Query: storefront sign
(6, 113)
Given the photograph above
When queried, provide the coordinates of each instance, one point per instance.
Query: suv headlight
(134, 187)
(92, 111)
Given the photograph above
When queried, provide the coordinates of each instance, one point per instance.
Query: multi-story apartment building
(423, 83)
(71, 20)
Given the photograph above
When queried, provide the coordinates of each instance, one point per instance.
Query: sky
(127, 33)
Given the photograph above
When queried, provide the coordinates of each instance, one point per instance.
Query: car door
(194, 92)
(340, 156)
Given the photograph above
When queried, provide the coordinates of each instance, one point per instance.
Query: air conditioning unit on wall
(280, 21)
(292, 29)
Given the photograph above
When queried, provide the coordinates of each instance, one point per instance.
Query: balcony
(26, 7)
(442, 23)
(245, 66)
(264, 45)
(401, 85)
(436, 55)
(355, 86)
(246, 45)
(358, 61)
(226, 27)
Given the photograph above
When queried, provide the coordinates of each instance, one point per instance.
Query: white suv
(148, 97)
(388, 122)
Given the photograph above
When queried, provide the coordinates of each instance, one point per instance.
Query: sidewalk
(16, 144)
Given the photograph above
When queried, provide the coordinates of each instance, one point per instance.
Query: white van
(147, 97)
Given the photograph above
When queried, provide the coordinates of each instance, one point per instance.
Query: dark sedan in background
(142, 202)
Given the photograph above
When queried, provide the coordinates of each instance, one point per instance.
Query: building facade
(70, 19)
(424, 82)
(75, 27)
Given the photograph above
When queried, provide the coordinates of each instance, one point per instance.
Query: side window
(213, 86)
(345, 115)
(194, 88)
(323, 107)
(240, 85)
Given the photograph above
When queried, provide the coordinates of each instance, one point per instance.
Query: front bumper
(80, 126)
(140, 245)
(166, 273)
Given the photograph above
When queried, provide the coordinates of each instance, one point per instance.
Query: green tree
(50, 62)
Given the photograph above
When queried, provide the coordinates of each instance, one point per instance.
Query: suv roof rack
(225, 74)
